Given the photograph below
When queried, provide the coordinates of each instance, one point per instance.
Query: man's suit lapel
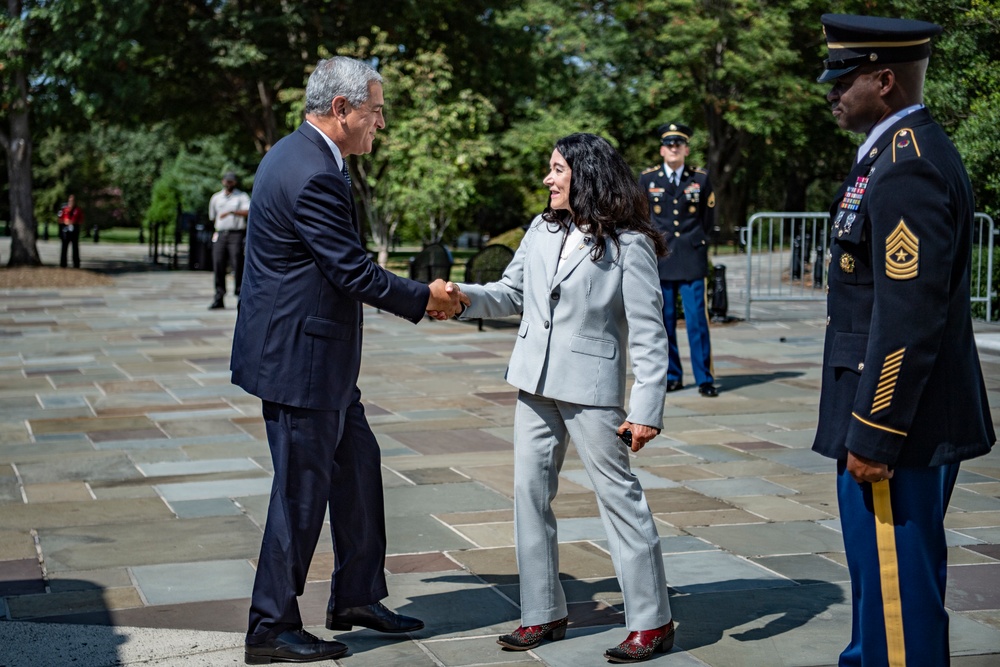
(314, 136)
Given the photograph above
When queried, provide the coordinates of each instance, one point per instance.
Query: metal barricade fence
(981, 280)
(787, 259)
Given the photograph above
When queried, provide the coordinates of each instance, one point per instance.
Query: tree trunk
(23, 230)
(269, 125)
(725, 158)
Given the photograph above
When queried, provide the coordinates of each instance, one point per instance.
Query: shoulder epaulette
(904, 144)
(651, 169)
(701, 170)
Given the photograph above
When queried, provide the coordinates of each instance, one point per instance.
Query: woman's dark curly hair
(603, 194)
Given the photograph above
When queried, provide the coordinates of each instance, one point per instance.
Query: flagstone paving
(134, 481)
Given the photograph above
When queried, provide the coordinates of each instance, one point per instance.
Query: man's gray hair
(338, 76)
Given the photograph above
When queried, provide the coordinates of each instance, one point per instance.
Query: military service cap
(854, 40)
(673, 132)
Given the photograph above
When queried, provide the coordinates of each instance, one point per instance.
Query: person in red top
(70, 222)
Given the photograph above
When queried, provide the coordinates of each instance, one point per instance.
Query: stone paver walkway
(134, 481)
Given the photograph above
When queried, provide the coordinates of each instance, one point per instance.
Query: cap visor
(831, 74)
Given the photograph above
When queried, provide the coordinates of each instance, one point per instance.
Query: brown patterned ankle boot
(642, 644)
(525, 639)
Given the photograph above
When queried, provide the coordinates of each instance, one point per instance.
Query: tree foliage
(109, 97)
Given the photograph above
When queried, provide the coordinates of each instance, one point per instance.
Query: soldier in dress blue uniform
(903, 400)
(682, 206)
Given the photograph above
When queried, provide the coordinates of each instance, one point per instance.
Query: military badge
(854, 194)
(849, 222)
(902, 253)
(692, 209)
(693, 193)
(847, 263)
(711, 200)
(905, 141)
(657, 209)
(873, 152)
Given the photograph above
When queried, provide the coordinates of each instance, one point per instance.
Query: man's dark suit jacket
(298, 332)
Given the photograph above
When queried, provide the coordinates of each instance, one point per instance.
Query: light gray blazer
(577, 323)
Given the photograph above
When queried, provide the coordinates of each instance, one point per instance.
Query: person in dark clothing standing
(903, 400)
(682, 206)
(70, 224)
(228, 209)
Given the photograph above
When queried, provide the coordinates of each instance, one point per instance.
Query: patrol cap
(855, 40)
(672, 132)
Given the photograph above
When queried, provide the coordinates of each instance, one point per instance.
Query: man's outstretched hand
(446, 300)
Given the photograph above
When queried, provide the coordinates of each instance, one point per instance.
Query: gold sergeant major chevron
(902, 249)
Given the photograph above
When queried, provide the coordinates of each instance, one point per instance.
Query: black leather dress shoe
(708, 389)
(217, 305)
(674, 385)
(292, 646)
(374, 616)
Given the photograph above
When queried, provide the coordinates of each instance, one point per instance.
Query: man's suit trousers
(321, 459)
(542, 429)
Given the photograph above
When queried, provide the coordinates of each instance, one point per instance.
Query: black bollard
(720, 300)
(819, 263)
(795, 270)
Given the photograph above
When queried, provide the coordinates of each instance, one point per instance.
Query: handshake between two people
(446, 300)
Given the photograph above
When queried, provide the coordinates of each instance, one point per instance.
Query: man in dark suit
(682, 206)
(903, 400)
(297, 346)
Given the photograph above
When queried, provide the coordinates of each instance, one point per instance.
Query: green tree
(421, 172)
(188, 180)
(16, 136)
(65, 62)
(734, 68)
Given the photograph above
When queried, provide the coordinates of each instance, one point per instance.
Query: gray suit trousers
(542, 430)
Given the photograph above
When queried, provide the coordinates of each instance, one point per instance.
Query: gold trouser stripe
(892, 606)
(711, 362)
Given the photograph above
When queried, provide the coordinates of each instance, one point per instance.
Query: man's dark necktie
(350, 188)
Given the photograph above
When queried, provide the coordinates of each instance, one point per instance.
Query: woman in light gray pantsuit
(585, 281)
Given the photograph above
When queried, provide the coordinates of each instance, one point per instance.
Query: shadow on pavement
(33, 638)
(731, 382)
(708, 616)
